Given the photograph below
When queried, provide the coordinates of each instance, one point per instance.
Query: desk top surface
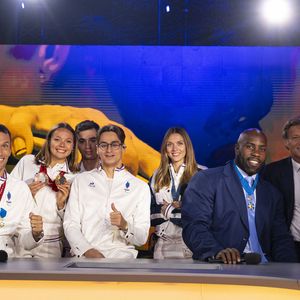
(148, 270)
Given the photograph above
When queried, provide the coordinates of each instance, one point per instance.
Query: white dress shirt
(295, 225)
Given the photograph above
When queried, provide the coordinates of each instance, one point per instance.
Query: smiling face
(176, 149)
(250, 151)
(111, 157)
(61, 145)
(5, 151)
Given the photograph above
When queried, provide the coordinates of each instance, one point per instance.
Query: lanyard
(175, 193)
(249, 189)
(3, 185)
(2, 188)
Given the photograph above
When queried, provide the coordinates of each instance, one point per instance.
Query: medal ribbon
(51, 183)
(2, 188)
(3, 185)
(175, 193)
(249, 189)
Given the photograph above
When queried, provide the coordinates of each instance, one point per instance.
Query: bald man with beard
(230, 210)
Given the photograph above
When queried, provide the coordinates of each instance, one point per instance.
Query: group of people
(98, 209)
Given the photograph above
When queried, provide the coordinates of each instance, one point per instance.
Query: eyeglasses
(294, 139)
(114, 146)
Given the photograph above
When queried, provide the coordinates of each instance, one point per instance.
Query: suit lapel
(288, 178)
(236, 191)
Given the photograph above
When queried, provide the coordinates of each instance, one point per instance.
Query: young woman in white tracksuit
(108, 212)
(48, 175)
(167, 184)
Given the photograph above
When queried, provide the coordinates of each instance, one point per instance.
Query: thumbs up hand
(117, 219)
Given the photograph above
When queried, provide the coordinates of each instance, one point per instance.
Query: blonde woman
(48, 175)
(177, 166)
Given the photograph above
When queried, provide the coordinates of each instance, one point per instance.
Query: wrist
(38, 235)
(125, 228)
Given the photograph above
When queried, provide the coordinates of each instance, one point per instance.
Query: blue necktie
(253, 238)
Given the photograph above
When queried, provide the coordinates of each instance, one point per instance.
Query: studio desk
(145, 279)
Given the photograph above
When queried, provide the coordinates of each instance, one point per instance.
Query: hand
(36, 222)
(23, 120)
(117, 219)
(62, 195)
(35, 187)
(176, 204)
(93, 253)
(229, 256)
(164, 207)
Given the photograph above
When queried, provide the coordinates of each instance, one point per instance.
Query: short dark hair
(112, 128)
(5, 130)
(290, 123)
(86, 125)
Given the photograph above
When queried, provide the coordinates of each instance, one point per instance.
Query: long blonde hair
(44, 155)
(163, 177)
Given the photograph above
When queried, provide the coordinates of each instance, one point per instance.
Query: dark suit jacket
(214, 216)
(280, 174)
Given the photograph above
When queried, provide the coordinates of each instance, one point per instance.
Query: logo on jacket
(92, 184)
(8, 198)
(127, 185)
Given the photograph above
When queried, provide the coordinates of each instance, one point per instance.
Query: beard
(243, 164)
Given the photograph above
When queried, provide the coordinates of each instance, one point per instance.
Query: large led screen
(213, 92)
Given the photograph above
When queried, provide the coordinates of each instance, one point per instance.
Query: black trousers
(297, 247)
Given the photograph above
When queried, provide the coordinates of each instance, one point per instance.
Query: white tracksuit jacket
(15, 226)
(45, 199)
(87, 218)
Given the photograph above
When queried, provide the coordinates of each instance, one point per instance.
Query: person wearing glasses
(285, 174)
(108, 212)
(86, 133)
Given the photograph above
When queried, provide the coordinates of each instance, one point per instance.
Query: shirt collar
(244, 174)
(296, 166)
(81, 166)
(61, 167)
(179, 173)
(121, 168)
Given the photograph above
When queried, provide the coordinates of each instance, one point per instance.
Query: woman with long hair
(177, 166)
(49, 175)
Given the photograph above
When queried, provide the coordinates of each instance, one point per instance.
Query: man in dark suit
(285, 175)
(223, 215)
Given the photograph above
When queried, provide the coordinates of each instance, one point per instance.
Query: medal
(251, 205)
(60, 179)
(250, 202)
(41, 177)
(3, 213)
